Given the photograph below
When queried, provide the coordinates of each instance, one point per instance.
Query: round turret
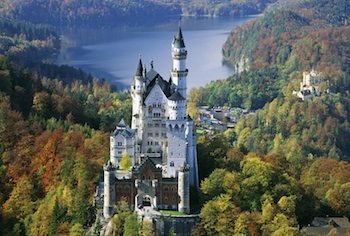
(109, 190)
(184, 189)
(179, 71)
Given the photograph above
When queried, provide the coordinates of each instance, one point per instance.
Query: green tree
(20, 203)
(125, 162)
(131, 225)
(76, 230)
(213, 185)
(219, 215)
(147, 228)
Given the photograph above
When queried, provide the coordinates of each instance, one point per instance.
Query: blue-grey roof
(176, 97)
(179, 40)
(123, 130)
(154, 79)
(139, 69)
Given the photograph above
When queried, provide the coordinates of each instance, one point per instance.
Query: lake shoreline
(112, 54)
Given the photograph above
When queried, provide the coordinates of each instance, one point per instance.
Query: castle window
(120, 152)
(166, 189)
(172, 163)
(149, 135)
(156, 125)
(163, 134)
(120, 144)
(157, 134)
(163, 125)
(156, 143)
(173, 189)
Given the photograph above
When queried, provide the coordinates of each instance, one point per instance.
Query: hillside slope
(113, 12)
(276, 49)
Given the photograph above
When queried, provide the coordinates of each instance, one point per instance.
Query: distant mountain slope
(271, 53)
(275, 48)
(273, 38)
(224, 7)
(112, 12)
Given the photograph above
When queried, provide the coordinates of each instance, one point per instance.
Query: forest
(52, 144)
(107, 13)
(278, 168)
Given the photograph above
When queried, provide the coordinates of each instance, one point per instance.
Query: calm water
(113, 53)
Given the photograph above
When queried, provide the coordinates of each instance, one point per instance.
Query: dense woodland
(270, 175)
(113, 12)
(288, 162)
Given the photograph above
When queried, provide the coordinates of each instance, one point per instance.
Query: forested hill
(288, 30)
(303, 140)
(112, 12)
(277, 48)
(25, 42)
(53, 140)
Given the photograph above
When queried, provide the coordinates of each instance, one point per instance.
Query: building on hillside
(310, 86)
(324, 226)
(161, 143)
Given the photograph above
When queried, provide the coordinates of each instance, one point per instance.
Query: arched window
(171, 163)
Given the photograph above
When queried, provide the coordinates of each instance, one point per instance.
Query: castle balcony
(179, 73)
(152, 154)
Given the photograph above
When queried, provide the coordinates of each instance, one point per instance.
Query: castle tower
(179, 71)
(183, 189)
(192, 153)
(136, 94)
(109, 190)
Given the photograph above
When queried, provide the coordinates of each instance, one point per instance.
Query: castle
(161, 143)
(310, 86)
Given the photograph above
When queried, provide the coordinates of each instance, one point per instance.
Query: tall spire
(179, 40)
(139, 70)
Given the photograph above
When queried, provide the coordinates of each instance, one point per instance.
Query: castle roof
(139, 69)
(154, 79)
(145, 164)
(179, 40)
(176, 97)
(121, 123)
(123, 130)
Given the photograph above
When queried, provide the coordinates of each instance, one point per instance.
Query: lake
(113, 54)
